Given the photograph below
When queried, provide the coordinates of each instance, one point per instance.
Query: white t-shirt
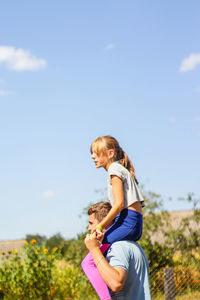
(131, 191)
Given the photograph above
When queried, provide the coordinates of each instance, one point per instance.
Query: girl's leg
(93, 275)
(127, 226)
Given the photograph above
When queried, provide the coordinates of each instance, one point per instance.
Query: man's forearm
(113, 277)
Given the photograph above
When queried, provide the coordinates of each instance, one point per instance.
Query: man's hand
(92, 242)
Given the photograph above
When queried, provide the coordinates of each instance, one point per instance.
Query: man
(125, 269)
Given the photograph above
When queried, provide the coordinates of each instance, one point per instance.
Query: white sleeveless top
(131, 191)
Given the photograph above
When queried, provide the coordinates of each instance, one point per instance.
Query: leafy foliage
(55, 240)
(29, 274)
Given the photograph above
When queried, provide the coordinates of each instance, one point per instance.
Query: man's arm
(113, 277)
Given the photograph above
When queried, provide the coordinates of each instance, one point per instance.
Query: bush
(28, 275)
(37, 273)
(69, 282)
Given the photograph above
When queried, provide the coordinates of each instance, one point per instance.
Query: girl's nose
(93, 155)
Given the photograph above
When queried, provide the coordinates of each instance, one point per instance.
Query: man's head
(97, 212)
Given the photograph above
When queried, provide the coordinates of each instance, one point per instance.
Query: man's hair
(100, 210)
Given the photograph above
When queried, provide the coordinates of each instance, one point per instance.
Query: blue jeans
(127, 226)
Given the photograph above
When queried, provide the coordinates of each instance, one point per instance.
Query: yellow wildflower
(177, 256)
(9, 252)
(45, 250)
(33, 242)
(26, 243)
(55, 249)
(36, 252)
(15, 251)
(3, 253)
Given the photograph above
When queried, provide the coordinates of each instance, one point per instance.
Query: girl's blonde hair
(107, 142)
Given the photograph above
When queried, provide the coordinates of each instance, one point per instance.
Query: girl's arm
(118, 195)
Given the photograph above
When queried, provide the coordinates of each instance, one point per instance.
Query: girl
(123, 194)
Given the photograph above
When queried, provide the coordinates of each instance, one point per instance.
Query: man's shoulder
(128, 247)
(124, 254)
(125, 245)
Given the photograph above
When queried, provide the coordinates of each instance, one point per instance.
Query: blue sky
(71, 71)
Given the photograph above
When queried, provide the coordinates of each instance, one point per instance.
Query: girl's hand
(99, 233)
(98, 229)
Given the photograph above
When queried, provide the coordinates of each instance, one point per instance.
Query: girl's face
(102, 159)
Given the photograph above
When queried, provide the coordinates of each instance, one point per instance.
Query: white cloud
(6, 93)
(110, 47)
(49, 194)
(20, 60)
(190, 62)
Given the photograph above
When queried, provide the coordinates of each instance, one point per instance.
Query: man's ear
(111, 153)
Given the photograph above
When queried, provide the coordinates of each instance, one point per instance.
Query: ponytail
(126, 162)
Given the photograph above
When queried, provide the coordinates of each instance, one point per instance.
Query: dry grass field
(6, 246)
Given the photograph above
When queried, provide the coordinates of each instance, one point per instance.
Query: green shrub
(28, 275)
(37, 273)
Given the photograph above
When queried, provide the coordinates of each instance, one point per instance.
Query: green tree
(55, 240)
(41, 239)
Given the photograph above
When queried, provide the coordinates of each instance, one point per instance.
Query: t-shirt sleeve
(116, 170)
(118, 257)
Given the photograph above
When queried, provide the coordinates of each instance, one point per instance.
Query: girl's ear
(111, 153)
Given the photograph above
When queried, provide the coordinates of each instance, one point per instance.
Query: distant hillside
(11, 245)
(177, 216)
(175, 220)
